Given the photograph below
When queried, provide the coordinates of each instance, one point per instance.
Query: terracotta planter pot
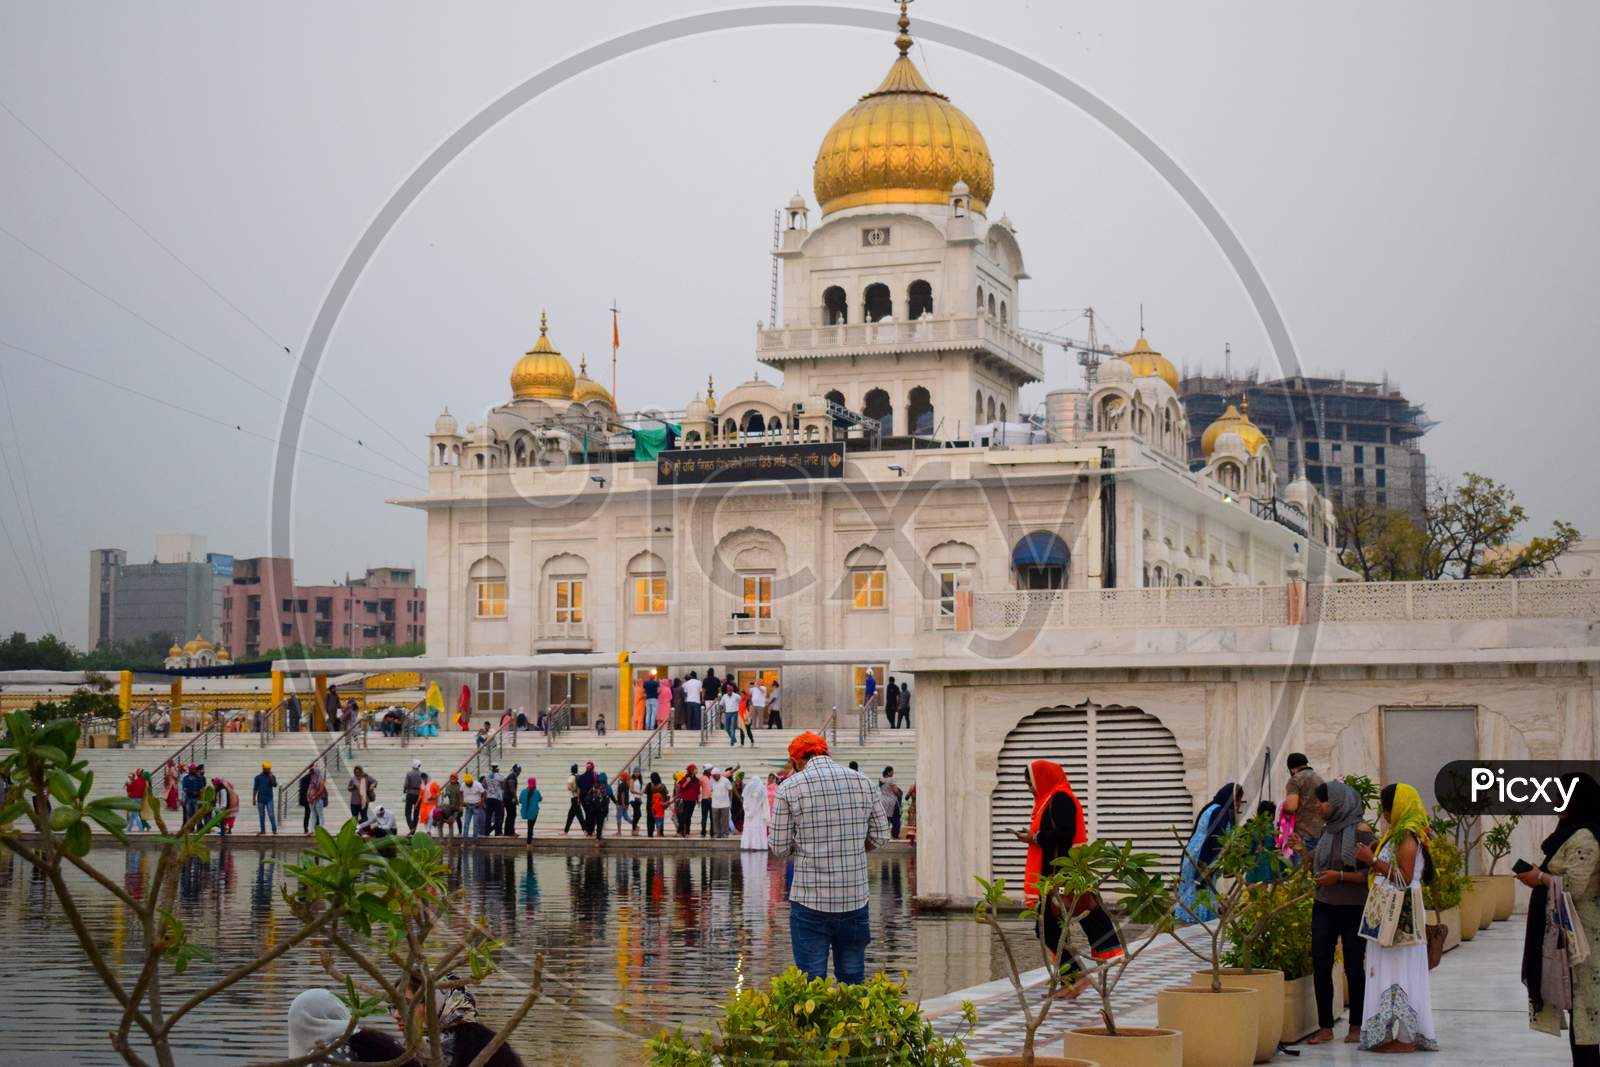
(1451, 917)
(1469, 913)
(1132, 1047)
(1219, 1028)
(1483, 890)
(1038, 1061)
(1505, 895)
(1269, 1003)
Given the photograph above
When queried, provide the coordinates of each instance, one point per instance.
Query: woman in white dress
(754, 837)
(1397, 1011)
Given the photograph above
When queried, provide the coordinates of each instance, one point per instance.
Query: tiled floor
(1479, 1008)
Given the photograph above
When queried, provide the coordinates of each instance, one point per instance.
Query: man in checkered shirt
(827, 818)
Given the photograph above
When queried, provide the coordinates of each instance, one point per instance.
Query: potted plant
(1497, 843)
(1245, 1025)
(1446, 894)
(1285, 946)
(1075, 879)
(819, 1020)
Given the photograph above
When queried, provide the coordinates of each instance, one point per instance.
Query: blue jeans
(813, 933)
(650, 712)
(730, 722)
(267, 810)
(474, 822)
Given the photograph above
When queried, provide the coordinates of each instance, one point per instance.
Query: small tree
(1224, 892)
(370, 902)
(1075, 880)
(1497, 840)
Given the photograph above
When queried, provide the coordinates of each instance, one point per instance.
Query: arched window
(730, 430)
(811, 433)
(486, 581)
(876, 303)
(919, 412)
(692, 437)
(875, 405)
(442, 454)
(991, 305)
(980, 300)
(1040, 561)
(919, 300)
(775, 426)
(753, 423)
(647, 581)
(835, 397)
(1002, 312)
(522, 453)
(977, 407)
(868, 579)
(1002, 413)
(835, 306)
(991, 410)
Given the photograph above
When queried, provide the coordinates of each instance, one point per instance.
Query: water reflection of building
(909, 472)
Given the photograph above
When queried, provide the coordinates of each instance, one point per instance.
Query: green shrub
(1449, 875)
(1285, 945)
(801, 1021)
(75, 706)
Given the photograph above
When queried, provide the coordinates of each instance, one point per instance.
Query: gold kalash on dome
(903, 143)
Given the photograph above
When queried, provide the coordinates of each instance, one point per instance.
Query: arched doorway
(835, 306)
(1124, 765)
(919, 299)
(1040, 560)
(876, 405)
(919, 412)
(876, 303)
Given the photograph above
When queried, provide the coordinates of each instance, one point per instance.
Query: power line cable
(44, 616)
(203, 355)
(179, 260)
(36, 543)
(164, 402)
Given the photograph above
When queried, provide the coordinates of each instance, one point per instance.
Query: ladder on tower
(777, 234)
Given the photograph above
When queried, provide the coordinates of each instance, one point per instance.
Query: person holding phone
(1341, 897)
(1572, 852)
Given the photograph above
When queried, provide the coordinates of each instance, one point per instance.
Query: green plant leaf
(78, 839)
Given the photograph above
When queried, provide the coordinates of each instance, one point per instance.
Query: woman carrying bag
(1571, 854)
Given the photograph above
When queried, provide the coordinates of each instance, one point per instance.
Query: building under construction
(1344, 436)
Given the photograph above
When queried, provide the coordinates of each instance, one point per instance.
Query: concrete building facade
(178, 593)
(264, 609)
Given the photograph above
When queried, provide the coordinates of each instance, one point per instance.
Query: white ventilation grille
(1125, 768)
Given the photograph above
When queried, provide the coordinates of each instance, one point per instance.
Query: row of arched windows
(985, 410)
(877, 303)
(1003, 314)
(876, 404)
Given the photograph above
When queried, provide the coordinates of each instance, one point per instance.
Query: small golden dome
(541, 374)
(587, 389)
(1146, 361)
(223, 653)
(1233, 421)
(175, 650)
(199, 644)
(902, 143)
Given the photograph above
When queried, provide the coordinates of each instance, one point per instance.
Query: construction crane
(1090, 352)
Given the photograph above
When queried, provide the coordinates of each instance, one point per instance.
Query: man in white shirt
(721, 804)
(691, 700)
(758, 703)
(472, 800)
(380, 825)
(730, 714)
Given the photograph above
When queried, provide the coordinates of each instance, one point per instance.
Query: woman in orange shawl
(1056, 828)
(430, 800)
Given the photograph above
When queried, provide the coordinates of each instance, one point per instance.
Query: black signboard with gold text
(759, 463)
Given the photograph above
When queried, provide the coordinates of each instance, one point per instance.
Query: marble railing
(1261, 605)
(856, 337)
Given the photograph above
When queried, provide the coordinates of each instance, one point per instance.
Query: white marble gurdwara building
(882, 466)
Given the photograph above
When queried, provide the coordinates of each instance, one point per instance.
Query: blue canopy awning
(1039, 549)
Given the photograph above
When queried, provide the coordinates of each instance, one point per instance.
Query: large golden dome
(541, 374)
(902, 143)
(587, 389)
(1233, 421)
(1146, 362)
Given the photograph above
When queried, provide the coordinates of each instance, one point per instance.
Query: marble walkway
(1479, 1009)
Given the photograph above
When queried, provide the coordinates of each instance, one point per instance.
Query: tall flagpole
(615, 343)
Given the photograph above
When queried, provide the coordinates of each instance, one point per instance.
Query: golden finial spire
(711, 392)
(583, 363)
(903, 42)
(544, 323)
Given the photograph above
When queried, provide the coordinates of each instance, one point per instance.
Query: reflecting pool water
(633, 942)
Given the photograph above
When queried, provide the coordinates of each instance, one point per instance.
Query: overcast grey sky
(1415, 181)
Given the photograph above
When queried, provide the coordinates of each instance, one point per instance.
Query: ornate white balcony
(752, 632)
(563, 637)
(782, 344)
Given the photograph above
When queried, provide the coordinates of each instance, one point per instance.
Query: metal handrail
(269, 721)
(201, 741)
(409, 723)
(558, 720)
(830, 729)
(331, 754)
(645, 755)
(868, 718)
(493, 748)
(139, 722)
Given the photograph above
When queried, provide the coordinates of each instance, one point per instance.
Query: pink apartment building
(263, 609)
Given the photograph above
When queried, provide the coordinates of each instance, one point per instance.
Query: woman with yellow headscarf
(1397, 1013)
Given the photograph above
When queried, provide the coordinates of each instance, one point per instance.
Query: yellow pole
(319, 715)
(177, 700)
(125, 702)
(624, 692)
(277, 696)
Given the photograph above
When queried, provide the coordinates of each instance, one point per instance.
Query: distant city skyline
(1352, 163)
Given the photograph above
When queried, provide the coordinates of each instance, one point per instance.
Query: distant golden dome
(1233, 421)
(199, 644)
(175, 650)
(902, 143)
(587, 389)
(541, 374)
(1146, 362)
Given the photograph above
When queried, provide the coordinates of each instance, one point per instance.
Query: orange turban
(807, 745)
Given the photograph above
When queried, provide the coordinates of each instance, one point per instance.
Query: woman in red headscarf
(1056, 827)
